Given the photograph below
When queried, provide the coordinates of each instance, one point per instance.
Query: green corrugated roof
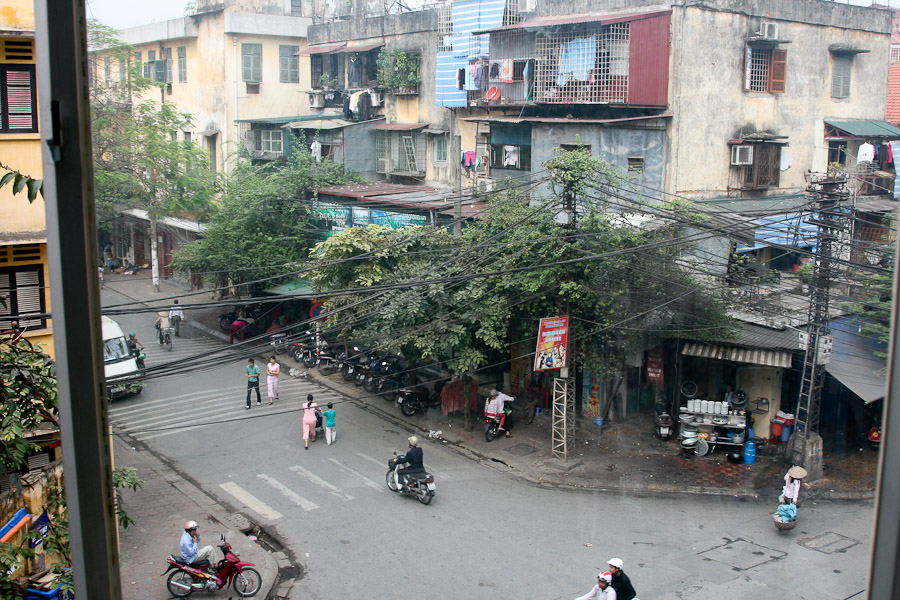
(292, 287)
(268, 120)
(865, 128)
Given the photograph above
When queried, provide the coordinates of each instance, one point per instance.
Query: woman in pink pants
(309, 420)
(272, 371)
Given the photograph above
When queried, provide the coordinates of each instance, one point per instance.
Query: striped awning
(755, 356)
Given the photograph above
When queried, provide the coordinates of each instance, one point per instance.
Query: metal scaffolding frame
(563, 416)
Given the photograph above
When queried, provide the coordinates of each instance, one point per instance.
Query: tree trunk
(467, 399)
(154, 254)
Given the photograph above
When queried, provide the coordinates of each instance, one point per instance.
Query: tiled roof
(893, 95)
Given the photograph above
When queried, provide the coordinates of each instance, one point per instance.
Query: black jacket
(414, 458)
(623, 587)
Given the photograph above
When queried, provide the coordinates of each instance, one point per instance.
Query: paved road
(486, 535)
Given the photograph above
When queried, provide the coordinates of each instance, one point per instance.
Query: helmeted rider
(603, 590)
(189, 541)
(413, 458)
(501, 400)
(133, 344)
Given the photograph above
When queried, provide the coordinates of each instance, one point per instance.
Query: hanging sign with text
(553, 335)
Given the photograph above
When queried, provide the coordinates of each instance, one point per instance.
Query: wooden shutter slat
(778, 72)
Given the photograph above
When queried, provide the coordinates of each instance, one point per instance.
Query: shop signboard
(360, 217)
(330, 211)
(395, 220)
(591, 394)
(655, 364)
(553, 336)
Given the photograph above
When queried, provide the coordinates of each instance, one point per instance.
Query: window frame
(5, 69)
(764, 170)
(775, 70)
(844, 79)
(316, 70)
(261, 141)
(442, 139)
(837, 149)
(181, 54)
(11, 311)
(497, 157)
(288, 63)
(252, 72)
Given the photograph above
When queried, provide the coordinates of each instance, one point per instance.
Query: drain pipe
(234, 41)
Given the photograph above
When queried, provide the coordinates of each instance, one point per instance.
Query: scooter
(349, 363)
(327, 360)
(412, 400)
(421, 486)
(664, 421)
(189, 578)
(492, 424)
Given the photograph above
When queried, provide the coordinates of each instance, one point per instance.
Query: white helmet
(617, 563)
(605, 576)
(413, 441)
(190, 525)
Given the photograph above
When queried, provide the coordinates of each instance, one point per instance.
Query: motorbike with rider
(411, 480)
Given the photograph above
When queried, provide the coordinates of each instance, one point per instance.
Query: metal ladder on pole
(563, 416)
(409, 151)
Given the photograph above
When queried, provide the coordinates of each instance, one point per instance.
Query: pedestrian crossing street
(147, 420)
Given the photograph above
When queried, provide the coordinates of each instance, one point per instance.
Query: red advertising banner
(655, 364)
(553, 335)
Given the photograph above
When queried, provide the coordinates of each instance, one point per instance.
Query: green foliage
(805, 273)
(125, 478)
(262, 222)
(20, 181)
(874, 297)
(398, 71)
(327, 82)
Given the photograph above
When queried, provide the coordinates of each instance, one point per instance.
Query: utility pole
(805, 446)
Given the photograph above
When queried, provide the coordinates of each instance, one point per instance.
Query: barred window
(765, 69)
(22, 289)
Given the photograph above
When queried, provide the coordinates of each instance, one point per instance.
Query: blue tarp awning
(784, 230)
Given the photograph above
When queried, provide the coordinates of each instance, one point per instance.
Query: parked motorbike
(367, 366)
(415, 399)
(349, 363)
(187, 579)
(492, 424)
(279, 343)
(390, 375)
(664, 420)
(327, 360)
(422, 486)
(303, 349)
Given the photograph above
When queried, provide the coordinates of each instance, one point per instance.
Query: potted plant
(398, 71)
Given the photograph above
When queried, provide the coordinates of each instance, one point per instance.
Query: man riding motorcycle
(189, 540)
(413, 458)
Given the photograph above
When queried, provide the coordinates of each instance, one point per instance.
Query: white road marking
(251, 501)
(289, 493)
(365, 479)
(315, 479)
(220, 419)
(383, 464)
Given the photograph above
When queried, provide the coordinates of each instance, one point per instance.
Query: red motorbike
(189, 578)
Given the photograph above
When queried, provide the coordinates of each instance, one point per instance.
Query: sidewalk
(624, 456)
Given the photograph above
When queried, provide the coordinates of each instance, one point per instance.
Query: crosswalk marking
(225, 417)
(251, 501)
(289, 493)
(365, 479)
(315, 479)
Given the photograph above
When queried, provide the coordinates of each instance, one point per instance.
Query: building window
(756, 166)
(765, 70)
(841, 66)
(296, 8)
(400, 153)
(315, 70)
(138, 64)
(439, 147)
(837, 153)
(22, 289)
(123, 71)
(507, 156)
(181, 52)
(326, 64)
(288, 64)
(895, 55)
(636, 164)
(445, 27)
(18, 101)
(187, 137)
(270, 140)
(149, 66)
(107, 71)
(575, 147)
(167, 61)
(251, 62)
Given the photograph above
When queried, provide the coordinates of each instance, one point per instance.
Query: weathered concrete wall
(17, 15)
(710, 104)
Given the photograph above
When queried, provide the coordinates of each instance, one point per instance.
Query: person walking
(793, 480)
(252, 382)
(620, 581)
(329, 424)
(273, 369)
(238, 328)
(101, 277)
(176, 316)
(309, 420)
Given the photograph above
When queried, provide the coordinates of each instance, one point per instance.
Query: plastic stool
(538, 411)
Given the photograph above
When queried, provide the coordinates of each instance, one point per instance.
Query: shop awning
(577, 20)
(853, 361)
(753, 356)
(401, 126)
(292, 287)
(362, 48)
(863, 128)
(321, 49)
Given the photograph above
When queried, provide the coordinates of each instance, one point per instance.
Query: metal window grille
(400, 153)
(445, 27)
(895, 55)
(511, 14)
(586, 67)
(181, 51)
(316, 69)
(23, 291)
(760, 61)
(762, 172)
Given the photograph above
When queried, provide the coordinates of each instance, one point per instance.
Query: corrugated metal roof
(576, 19)
(877, 205)
(324, 124)
(365, 190)
(757, 336)
(865, 128)
(401, 126)
(560, 120)
(321, 49)
(755, 356)
(268, 120)
(363, 47)
(853, 361)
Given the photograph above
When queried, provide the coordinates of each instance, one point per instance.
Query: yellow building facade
(24, 277)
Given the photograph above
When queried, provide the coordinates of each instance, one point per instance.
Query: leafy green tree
(261, 227)
(874, 296)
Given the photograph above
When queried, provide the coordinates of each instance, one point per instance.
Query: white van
(118, 362)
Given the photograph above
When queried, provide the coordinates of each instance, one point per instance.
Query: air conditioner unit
(484, 184)
(742, 155)
(316, 100)
(768, 31)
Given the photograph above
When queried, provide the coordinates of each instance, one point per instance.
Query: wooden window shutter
(748, 59)
(778, 72)
(19, 101)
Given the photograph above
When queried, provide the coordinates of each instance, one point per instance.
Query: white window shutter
(742, 155)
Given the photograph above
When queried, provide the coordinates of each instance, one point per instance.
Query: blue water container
(749, 453)
(786, 433)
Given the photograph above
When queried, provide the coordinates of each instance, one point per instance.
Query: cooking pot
(689, 442)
